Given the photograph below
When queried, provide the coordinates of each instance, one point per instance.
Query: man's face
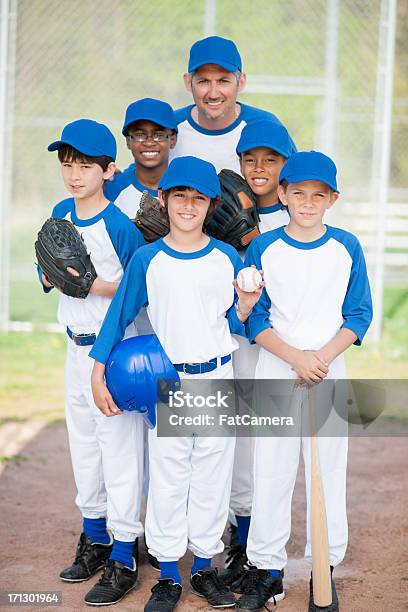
(307, 202)
(261, 167)
(150, 153)
(214, 90)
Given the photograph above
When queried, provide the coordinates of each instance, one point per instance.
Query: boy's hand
(45, 281)
(247, 299)
(102, 397)
(309, 366)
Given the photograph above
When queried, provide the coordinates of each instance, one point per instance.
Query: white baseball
(249, 279)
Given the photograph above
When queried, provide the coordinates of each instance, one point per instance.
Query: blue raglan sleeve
(357, 307)
(128, 300)
(112, 188)
(59, 211)
(236, 326)
(258, 320)
(125, 236)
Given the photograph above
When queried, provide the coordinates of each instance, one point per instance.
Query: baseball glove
(152, 218)
(59, 246)
(235, 219)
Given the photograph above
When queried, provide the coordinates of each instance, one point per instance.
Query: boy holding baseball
(316, 303)
(186, 279)
(263, 148)
(99, 447)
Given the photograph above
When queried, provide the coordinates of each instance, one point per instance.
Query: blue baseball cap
(150, 109)
(310, 166)
(192, 172)
(266, 133)
(88, 137)
(215, 50)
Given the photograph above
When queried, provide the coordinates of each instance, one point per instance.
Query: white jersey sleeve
(126, 191)
(312, 289)
(272, 217)
(111, 239)
(190, 300)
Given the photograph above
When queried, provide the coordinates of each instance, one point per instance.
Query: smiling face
(261, 167)
(150, 153)
(215, 93)
(307, 202)
(84, 178)
(187, 208)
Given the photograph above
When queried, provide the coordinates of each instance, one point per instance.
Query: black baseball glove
(59, 246)
(152, 218)
(235, 219)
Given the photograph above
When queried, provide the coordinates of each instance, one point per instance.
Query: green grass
(31, 376)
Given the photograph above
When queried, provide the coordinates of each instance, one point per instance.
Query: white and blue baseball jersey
(111, 240)
(312, 289)
(272, 217)
(215, 146)
(125, 191)
(189, 297)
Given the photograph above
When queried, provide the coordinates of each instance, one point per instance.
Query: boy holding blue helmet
(186, 280)
(316, 304)
(99, 447)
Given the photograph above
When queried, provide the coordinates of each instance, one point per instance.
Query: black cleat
(206, 583)
(234, 535)
(165, 596)
(89, 558)
(334, 607)
(115, 582)
(258, 589)
(235, 564)
(153, 562)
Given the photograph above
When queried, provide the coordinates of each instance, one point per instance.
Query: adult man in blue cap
(210, 128)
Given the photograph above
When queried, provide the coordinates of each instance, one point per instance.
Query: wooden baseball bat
(322, 591)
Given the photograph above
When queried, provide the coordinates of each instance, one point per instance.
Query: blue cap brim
(217, 62)
(299, 178)
(153, 120)
(258, 143)
(204, 189)
(57, 144)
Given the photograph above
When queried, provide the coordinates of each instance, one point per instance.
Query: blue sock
(169, 569)
(274, 573)
(199, 564)
(96, 530)
(243, 528)
(123, 552)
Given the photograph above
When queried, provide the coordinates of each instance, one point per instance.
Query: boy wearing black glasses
(150, 130)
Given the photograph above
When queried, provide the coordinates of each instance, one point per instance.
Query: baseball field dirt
(40, 526)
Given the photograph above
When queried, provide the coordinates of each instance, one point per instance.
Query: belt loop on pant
(202, 368)
(81, 339)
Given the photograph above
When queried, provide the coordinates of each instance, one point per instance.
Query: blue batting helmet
(139, 374)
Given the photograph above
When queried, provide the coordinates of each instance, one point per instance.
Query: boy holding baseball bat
(186, 279)
(315, 305)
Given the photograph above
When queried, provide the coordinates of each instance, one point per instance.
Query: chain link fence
(314, 64)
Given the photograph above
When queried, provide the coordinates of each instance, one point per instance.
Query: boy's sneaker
(153, 562)
(89, 558)
(165, 596)
(334, 607)
(206, 583)
(115, 582)
(258, 589)
(239, 585)
(235, 564)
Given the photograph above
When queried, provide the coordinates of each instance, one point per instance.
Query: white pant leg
(275, 468)
(118, 444)
(244, 361)
(208, 500)
(166, 513)
(85, 452)
(181, 468)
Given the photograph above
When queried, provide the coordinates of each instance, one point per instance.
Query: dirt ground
(40, 526)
